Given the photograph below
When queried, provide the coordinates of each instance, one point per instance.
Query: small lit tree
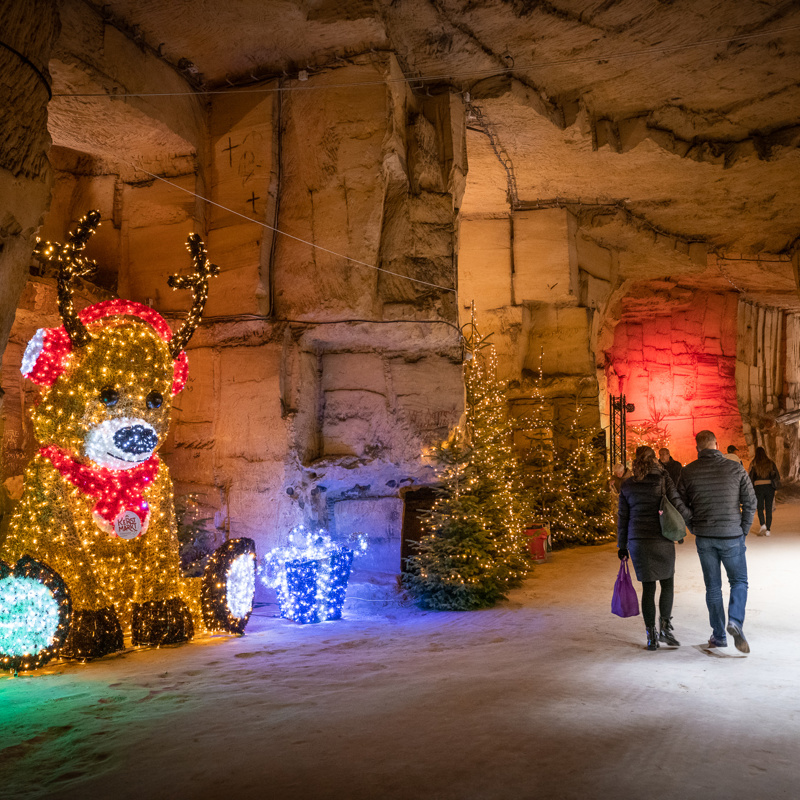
(544, 481)
(588, 514)
(474, 549)
(569, 489)
(650, 432)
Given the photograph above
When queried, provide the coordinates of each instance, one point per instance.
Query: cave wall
(689, 354)
(160, 124)
(674, 358)
(768, 381)
(539, 286)
(29, 33)
(315, 383)
(690, 360)
(791, 433)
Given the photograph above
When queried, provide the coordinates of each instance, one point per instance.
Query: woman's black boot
(652, 638)
(666, 635)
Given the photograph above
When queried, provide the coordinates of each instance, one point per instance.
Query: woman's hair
(762, 464)
(643, 462)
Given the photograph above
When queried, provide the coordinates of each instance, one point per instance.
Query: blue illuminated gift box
(310, 577)
(315, 588)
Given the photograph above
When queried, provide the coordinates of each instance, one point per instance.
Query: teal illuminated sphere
(28, 616)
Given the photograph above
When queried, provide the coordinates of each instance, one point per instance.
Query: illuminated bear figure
(94, 543)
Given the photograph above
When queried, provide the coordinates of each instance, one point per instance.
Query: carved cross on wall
(252, 199)
(229, 150)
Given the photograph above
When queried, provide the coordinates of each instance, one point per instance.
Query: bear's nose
(136, 439)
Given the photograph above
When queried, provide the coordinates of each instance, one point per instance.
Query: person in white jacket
(733, 453)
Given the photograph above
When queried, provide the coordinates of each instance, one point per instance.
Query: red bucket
(538, 543)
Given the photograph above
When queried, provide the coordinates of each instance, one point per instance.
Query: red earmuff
(47, 354)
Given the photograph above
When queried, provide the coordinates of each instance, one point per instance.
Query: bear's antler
(198, 283)
(71, 265)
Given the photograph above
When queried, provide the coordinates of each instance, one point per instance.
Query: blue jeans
(730, 553)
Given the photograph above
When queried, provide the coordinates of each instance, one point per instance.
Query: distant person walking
(639, 535)
(720, 496)
(672, 466)
(766, 479)
(733, 453)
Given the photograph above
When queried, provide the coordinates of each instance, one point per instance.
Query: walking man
(720, 495)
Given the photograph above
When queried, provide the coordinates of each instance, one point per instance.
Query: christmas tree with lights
(474, 548)
(545, 480)
(568, 489)
(587, 515)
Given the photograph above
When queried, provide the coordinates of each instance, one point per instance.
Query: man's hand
(622, 553)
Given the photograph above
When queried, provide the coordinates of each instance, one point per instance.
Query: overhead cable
(289, 235)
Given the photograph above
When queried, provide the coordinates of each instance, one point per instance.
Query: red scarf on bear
(115, 490)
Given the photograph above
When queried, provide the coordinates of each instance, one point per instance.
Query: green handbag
(673, 526)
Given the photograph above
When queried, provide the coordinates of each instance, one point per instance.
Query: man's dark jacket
(719, 494)
(673, 469)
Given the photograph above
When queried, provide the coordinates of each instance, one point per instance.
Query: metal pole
(623, 431)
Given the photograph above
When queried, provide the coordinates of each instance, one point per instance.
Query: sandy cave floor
(545, 696)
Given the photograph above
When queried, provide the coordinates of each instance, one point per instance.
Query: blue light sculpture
(310, 576)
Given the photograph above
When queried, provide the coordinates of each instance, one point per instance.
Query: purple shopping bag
(624, 602)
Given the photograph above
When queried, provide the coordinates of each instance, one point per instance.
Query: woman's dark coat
(639, 526)
(774, 476)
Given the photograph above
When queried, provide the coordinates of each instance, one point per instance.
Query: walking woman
(639, 535)
(766, 479)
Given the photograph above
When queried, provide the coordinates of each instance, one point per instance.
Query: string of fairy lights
(35, 612)
(197, 282)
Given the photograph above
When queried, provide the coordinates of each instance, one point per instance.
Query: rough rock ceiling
(650, 104)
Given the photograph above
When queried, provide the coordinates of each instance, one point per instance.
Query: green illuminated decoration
(28, 616)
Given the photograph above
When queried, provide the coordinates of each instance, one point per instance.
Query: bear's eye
(154, 400)
(109, 396)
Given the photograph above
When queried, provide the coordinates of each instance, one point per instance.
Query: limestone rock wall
(29, 32)
(768, 381)
(228, 443)
(537, 285)
(295, 400)
(159, 125)
(245, 138)
(375, 174)
(673, 357)
(316, 383)
(687, 355)
(792, 396)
